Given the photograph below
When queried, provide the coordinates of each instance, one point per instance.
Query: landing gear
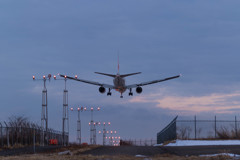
(109, 92)
(130, 93)
(121, 96)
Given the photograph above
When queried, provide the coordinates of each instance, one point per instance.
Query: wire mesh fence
(139, 142)
(208, 129)
(200, 129)
(28, 135)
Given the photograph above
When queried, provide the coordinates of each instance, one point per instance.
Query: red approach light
(107, 132)
(76, 76)
(118, 137)
(111, 132)
(115, 132)
(54, 77)
(65, 76)
(98, 108)
(33, 77)
(85, 108)
(109, 123)
(49, 76)
(78, 109)
(91, 109)
(44, 77)
(71, 109)
(81, 108)
(104, 123)
(89, 123)
(99, 132)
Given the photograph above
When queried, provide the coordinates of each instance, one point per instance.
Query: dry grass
(75, 150)
(90, 157)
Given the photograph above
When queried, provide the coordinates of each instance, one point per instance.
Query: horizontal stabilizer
(105, 74)
(130, 74)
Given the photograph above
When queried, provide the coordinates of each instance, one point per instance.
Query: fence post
(195, 126)
(34, 140)
(215, 126)
(236, 126)
(1, 135)
(7, 133)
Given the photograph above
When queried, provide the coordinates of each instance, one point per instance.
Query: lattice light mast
(92, 127)
(44, 113)
(104, 132)
(79, 135)
(65, 119)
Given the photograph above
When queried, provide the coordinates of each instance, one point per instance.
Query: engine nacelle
(102, 89)
(139, 90)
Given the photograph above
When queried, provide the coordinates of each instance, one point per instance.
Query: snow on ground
(202, 142)
(221, 154)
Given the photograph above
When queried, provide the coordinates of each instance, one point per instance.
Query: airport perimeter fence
(135, 142)
(200, 129)
(27, 135)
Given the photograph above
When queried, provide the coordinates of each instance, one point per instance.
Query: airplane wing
(87, 81)
(151, 82)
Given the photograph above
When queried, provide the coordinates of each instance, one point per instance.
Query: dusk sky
(198, 39)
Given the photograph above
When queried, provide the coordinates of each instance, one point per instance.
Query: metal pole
(91, 127)
(215, 127)
(104, 134)
(1, 135)
(79, 128)
(44, 118)
(65, 114)
(7, 133)
(195, 126)
(34, 141)
(236, 127)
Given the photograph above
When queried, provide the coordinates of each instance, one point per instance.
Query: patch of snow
(223, 154)
(202, 143)
(139, 155)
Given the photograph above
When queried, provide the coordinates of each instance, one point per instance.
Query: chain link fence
(28, 134)
(141, 142)
(200, 129)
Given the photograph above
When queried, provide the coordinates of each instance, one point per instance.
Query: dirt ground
(109, 153)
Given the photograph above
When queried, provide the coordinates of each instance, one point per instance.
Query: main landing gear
(130, 93)
(109, 92)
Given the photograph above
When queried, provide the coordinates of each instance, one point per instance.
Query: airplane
(118, 83)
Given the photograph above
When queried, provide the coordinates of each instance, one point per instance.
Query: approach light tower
(92, 126)
(65, 120)
(104, 132)
(79, 134)
(44, 114)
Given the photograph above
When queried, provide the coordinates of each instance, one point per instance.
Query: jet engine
(102, 89)
(139, 90)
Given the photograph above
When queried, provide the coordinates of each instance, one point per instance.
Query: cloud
(215, 102)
